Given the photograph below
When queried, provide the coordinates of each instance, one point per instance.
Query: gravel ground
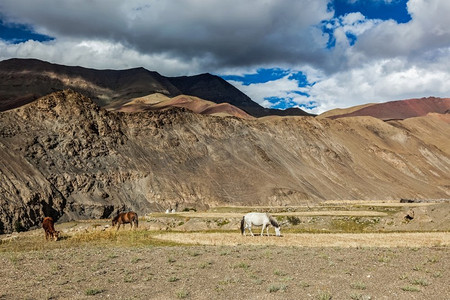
(226, 272)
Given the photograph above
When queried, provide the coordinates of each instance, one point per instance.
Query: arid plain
(336, 250)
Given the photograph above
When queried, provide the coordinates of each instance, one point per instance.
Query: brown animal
(49, 228)
(124, 218)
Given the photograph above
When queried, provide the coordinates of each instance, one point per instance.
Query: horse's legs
(262, 230)
(118, 226)
(250, 229)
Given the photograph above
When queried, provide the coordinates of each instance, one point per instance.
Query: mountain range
(77, 153)
(25, 80)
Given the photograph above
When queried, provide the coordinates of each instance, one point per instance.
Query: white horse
(259, 219)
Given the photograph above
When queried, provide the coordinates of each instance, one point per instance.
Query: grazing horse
(49, 228)
(124, 218)
(259, 219)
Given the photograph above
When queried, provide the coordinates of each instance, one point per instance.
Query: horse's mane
(273, 221)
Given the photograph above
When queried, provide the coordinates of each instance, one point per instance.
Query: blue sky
(316, 55)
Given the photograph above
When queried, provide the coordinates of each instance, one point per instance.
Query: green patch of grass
(129, 279)
(360, 297)
(171, 260)
(437, 274)
(304, 284)
(173, 279)
(358, 285)
(420, 281)
(182, 294)
(410, 288)
(276, 288)
(93, 292)
(351, 224)
(433, 259)
(241, 265)
(323, 295)
(384, 259)
(279, 273)
(136, 260)
(221, 222)
(416, 268)
(403, 277)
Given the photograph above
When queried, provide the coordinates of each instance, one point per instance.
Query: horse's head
(278, 231)
(56, 235)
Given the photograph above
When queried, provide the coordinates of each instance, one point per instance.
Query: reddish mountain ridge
(396, 110)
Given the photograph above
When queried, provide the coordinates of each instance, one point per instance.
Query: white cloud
(280, 88)
(393, 79)
(98, 54)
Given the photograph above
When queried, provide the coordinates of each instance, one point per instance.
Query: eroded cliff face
(63, 156)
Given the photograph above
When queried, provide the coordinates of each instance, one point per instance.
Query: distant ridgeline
(25, 80)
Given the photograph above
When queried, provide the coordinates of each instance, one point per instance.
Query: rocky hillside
(64, 156)
(24, 80)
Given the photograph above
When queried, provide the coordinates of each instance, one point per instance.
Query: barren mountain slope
(394, 110)
(64, 156)
(24, 80)
(343, 111)
(194, 104)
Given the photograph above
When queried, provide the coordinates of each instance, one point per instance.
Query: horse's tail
(273, 221)
(136, 220)
(242, 225)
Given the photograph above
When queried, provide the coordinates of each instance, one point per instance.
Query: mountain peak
(111, 87)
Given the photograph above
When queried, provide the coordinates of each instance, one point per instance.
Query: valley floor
(338, 251)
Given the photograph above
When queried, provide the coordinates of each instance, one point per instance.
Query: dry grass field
(360, 251)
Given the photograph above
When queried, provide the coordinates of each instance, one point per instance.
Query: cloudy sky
(313, 54)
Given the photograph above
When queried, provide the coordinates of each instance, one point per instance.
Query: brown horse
(124, 218)
(49, 228)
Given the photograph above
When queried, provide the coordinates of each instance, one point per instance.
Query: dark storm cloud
(223, 33)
